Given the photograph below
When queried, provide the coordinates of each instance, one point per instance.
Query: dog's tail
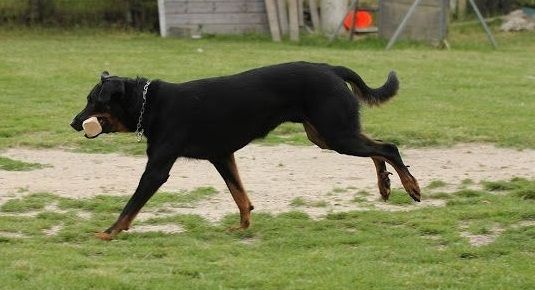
(363, 92)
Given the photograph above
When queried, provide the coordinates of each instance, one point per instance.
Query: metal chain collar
(139, 130)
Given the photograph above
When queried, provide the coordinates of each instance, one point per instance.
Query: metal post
(353, 20)
(402, 24)
(482, 20)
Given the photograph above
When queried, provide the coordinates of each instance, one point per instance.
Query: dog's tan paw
(104, 236)
(411, 186)
(384, 185)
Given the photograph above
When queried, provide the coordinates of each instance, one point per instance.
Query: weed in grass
(527, 193)
(339, 190)
(478, 226)
(359, 199)
(31, 202)
(15, 165)
(364, 192)
(318, 203)
(23, 189)
(499, 185)
(467, 181)
(180, 199)
(300, 201)
(468, 193)
(399, 197)
(520, 187)
(434, 184)
(468, 255)
(440, 195)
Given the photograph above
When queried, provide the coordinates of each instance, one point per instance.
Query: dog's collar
(139, 130)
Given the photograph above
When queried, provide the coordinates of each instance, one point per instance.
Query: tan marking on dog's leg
(229, 171)
(123, 224)
(314, 136)
(244, 205)
(383, 181)
(240, 196)
(409, 182)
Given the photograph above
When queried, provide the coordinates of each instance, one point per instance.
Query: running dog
(212, 118)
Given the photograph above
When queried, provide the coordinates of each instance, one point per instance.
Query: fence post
(293, 11)
(332, 13)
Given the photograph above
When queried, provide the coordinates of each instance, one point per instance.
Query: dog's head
(106, 102)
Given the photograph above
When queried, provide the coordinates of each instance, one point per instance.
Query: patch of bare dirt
(478, 240)
(274, 176)
(54, 230)
(12, 235)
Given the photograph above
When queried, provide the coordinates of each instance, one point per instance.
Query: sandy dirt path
(273, 175)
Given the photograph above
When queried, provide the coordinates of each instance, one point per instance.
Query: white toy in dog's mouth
(92, 127)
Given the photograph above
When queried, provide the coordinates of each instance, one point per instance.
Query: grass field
(426, 248)
(468, 94)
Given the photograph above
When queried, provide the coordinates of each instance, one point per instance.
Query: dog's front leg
(156, 174)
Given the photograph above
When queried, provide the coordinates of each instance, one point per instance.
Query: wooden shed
(197, 17)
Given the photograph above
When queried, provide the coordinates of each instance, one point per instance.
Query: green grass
(468, 94)
(399, 197)
(16, 165)
(417, 249)
(302, 202)
(434, 184)
(181, 199)
(519, 187)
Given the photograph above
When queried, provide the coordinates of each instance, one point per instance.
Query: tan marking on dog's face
(114, 124)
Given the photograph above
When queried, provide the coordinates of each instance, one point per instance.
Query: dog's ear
(114, 88)
(104, 76)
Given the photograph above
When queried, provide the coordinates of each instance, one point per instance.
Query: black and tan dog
(212, 118)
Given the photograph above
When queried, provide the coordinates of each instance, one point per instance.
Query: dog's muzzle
(76, 125)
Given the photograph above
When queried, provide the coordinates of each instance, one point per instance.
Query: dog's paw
(411, 186)
(383, 183)
(104, 236)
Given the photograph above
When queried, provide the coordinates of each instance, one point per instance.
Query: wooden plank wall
(191, 17)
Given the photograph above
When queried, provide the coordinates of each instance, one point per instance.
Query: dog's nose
(76, 125)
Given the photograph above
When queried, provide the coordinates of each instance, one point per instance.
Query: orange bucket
(363, 19)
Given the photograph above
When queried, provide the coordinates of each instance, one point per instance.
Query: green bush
(140, 14)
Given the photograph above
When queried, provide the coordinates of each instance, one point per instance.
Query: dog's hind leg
(156, 173)
(314, 136)
(383, 181)
(360, 145)
(227, 168)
